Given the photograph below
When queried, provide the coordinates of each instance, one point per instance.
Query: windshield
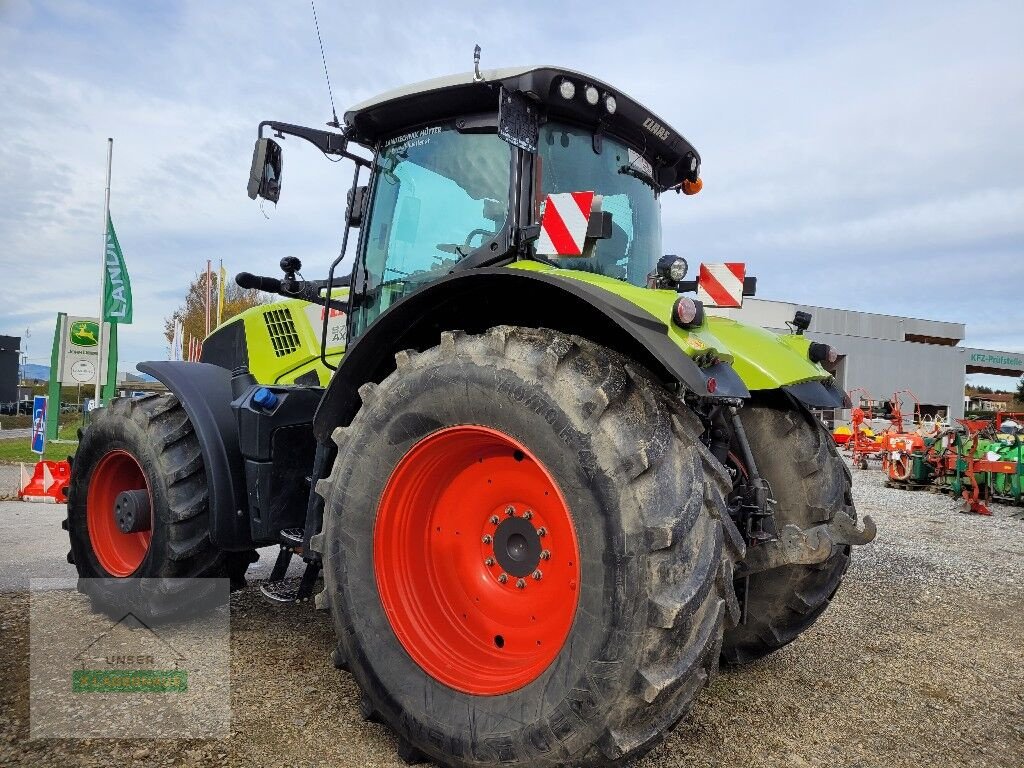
(439, 194)
(568, 163)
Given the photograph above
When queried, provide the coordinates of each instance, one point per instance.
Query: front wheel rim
(119, 554)
(476, 560)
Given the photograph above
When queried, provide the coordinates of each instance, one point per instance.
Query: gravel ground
(919, 662)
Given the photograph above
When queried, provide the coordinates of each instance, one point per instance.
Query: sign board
(80, 352)
(989, 358)
(39, 424)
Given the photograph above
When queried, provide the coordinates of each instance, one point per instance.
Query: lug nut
(537, 575)
(487, 539)
(521, 584)
(494, 519)
(545, 555)
(503, 578)
(489, 562)
(528, 514)
(510, 510)
(542, 531)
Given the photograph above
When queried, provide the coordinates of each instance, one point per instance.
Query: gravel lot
(919, 662)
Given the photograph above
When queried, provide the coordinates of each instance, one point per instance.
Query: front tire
(811, 485)
(146, 446)
(590, 665)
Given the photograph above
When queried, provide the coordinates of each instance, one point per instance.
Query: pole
(208, 292)
(103, 270)
(220, 289)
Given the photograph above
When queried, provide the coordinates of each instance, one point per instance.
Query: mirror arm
(327, 142)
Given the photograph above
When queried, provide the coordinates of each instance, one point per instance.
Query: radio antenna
(334, 113)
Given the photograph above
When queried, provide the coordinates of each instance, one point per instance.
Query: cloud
(854, 156)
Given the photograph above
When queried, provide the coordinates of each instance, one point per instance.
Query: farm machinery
(864, 444)
(973, 460)
(541, 491)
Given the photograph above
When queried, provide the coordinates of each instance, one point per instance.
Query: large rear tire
(147, 446)
(594, 661)
(811, 485)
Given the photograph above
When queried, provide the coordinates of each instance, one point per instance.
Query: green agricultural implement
(972, 461)
(542, 492)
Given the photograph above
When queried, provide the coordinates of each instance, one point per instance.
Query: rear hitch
(796, 546)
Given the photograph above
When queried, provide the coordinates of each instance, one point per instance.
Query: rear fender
(765, 361)
(476, 300)
(204, 391)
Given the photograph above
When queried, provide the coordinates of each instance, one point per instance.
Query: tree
(1020, 391)
(192, 313)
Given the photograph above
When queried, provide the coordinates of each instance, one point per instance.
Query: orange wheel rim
(120, 554)
(476, 560)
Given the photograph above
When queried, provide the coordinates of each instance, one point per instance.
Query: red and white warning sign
(564, 222)
(721, 285)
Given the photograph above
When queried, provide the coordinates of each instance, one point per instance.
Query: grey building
(882, 354)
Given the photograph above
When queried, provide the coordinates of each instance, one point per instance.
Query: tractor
(541, 488)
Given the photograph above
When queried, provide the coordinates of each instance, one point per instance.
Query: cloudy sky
(861, 155)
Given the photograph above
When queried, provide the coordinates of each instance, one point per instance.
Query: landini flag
(117, 288)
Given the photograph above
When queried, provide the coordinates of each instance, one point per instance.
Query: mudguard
(762, 359)
(767, 361)
(476, 300)
(204, 391)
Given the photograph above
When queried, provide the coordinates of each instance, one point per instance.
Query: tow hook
(806, 546)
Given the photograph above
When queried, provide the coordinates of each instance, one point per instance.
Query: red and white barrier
(48, 483)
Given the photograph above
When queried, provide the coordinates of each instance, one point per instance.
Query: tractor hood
(445, 98)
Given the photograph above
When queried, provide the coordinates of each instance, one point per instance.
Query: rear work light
(687, 313)
(822, 353)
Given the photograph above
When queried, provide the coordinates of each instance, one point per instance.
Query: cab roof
(448, 97)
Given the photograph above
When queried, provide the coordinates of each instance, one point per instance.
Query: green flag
(117, 288)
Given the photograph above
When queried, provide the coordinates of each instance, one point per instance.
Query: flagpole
(208, 297)
(103, 270)
(220, 291)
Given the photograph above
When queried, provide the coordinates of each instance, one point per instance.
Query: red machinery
(899, 443)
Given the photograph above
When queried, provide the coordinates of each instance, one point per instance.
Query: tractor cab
(462, 167)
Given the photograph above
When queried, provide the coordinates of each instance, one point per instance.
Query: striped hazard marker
(721, 285)
(563, 225)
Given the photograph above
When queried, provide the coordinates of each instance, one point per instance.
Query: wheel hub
(517, 547)
(132, 511)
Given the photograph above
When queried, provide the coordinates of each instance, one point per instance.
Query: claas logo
(84, 333)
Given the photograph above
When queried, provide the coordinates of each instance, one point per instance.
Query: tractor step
(282, 591)
(292, 589)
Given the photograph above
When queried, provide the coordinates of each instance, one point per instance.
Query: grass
(69, 423)
(14, 451)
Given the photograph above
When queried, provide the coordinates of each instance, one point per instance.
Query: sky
(857, 155)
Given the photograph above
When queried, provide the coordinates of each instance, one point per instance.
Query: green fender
(762, 359)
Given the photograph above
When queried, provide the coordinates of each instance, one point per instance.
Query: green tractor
(543, 493)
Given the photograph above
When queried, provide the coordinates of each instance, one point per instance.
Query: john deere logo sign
(84, 333)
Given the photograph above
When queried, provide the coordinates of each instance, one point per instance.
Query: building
(883, 354)
(995, 401)
(10, 351)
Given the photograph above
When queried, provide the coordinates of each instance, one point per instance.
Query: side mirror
(265, 174)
